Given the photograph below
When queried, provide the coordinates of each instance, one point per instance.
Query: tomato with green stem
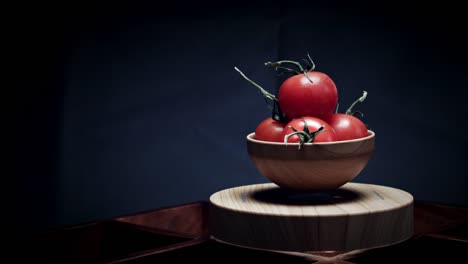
(307, 92)
(307, 130)
(346, 125)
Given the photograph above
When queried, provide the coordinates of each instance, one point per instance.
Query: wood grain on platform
(356, 216)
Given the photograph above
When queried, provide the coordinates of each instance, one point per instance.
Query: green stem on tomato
(359, 100)
(264, 92)
(276, 112)
(305, 136)
(287, 69)
(337, 108)
(312, 67)
(278, 65)
(300, 134)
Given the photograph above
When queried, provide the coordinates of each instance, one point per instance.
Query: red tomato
(298, 96)
(270, 130)
(313, 124)
(347, 126)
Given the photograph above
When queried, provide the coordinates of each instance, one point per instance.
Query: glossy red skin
(299, 97)
(347, 126)
(270, 130)
(327, 135)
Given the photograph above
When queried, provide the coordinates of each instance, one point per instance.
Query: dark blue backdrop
(139, 107)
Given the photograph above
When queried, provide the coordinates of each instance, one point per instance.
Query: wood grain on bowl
(355, 216)
(316, 166)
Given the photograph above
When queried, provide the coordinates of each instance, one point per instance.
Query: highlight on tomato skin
(270, 130)
(313, 124)
(347, 127)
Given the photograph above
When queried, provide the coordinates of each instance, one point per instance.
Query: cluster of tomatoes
(305, 108)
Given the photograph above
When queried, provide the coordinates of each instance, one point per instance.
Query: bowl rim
(371, 134)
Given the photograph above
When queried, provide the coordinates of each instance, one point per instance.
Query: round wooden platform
(355, 216)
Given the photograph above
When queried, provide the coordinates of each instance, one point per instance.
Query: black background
(129, 107)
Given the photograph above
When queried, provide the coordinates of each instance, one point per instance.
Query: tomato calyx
(278, 65)
(276, 112)
(306, 136)
(359, 100)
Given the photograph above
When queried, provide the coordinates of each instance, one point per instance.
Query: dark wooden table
(181, 235)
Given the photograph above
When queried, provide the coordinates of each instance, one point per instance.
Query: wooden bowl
(314, 167)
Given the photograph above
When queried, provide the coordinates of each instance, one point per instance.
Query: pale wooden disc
(355, 216)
